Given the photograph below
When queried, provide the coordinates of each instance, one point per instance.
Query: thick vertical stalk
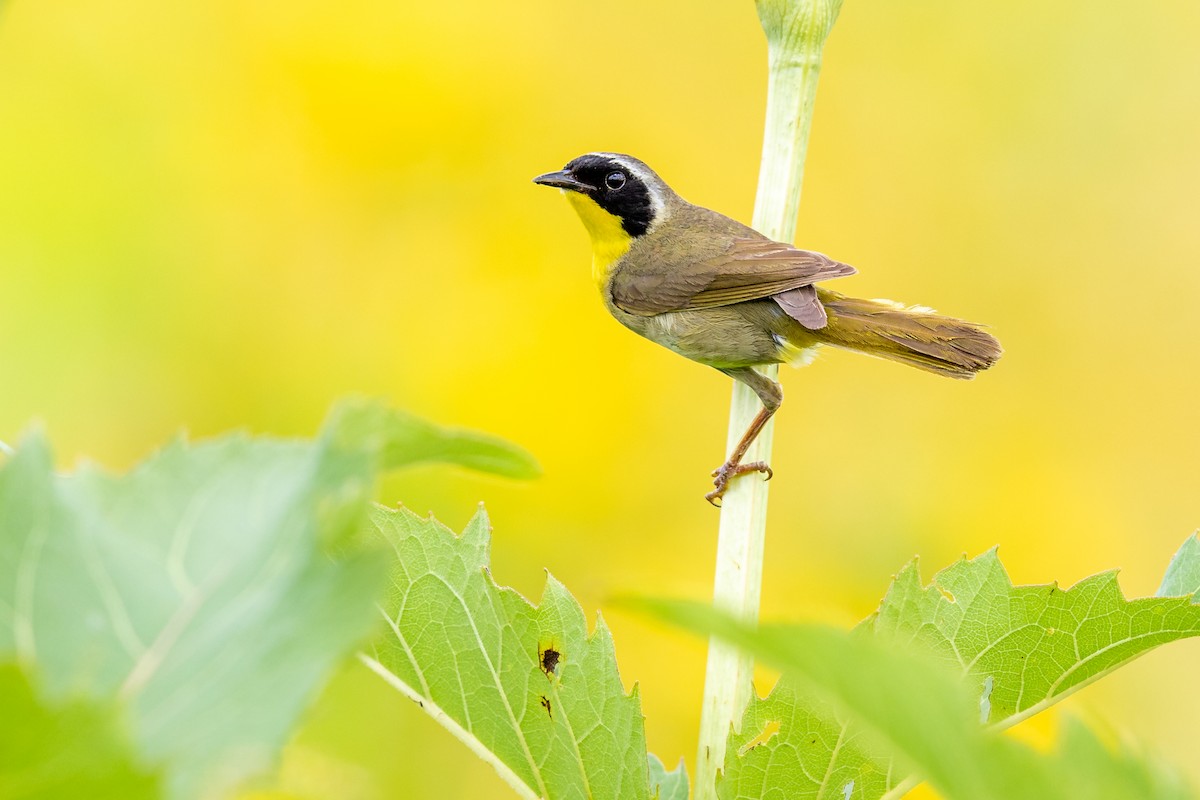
(796, 31)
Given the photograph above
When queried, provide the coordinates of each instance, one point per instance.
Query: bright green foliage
(1022, 648)
(667, 785)
(525, 687)
(793, 745)
(1032, 645)
(71, 752)
(160, 633)
(200, 594)
(193, 591)
(1183, 574)
(904, 703)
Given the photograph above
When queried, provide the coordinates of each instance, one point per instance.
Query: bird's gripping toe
(723, 474)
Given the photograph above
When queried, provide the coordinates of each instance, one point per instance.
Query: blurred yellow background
(222, 214)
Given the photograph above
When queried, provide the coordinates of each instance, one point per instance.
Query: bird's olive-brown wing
(742, 268)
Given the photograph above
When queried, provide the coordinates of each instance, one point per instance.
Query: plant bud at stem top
(797, 28)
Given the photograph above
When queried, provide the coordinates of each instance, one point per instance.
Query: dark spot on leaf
(549, 658)
(546, 705)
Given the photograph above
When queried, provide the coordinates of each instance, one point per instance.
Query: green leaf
(1099, 772)
(194, 592)
(201, 593)
(403, 440)
(77, 750)
(906, 703)
(1020, 648)
(667, 785)
(1033, 645)
(523, 686)
(794, 739)
(1183, 573)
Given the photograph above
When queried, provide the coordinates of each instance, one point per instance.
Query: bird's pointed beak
(562, 179)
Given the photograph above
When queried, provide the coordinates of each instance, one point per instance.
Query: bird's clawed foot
(727, 472)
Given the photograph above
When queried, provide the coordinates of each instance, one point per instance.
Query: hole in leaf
(769, 730)
(985, 701)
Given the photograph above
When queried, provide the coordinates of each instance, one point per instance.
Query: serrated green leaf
(523, 686)
(1036, 644)
(402, 440)
(1021, 649)
(65, 753)
(192, 591)
(904, 702)
(200, 593)
(1183, 573)
(792, 744)
(665, 785)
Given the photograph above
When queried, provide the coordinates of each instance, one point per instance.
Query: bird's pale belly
(741, 335)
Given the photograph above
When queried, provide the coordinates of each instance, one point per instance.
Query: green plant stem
(796, 31)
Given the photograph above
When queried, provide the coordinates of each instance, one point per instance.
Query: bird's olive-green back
(696, 258)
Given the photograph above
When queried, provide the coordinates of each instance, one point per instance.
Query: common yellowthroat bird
(720, 293)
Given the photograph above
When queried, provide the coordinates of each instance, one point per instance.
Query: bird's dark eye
(614, 180)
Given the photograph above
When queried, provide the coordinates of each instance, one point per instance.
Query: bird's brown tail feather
(914, 336)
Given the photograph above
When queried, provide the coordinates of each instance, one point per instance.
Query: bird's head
(617, 197)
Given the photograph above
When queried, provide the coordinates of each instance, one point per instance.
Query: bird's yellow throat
(610, 240)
